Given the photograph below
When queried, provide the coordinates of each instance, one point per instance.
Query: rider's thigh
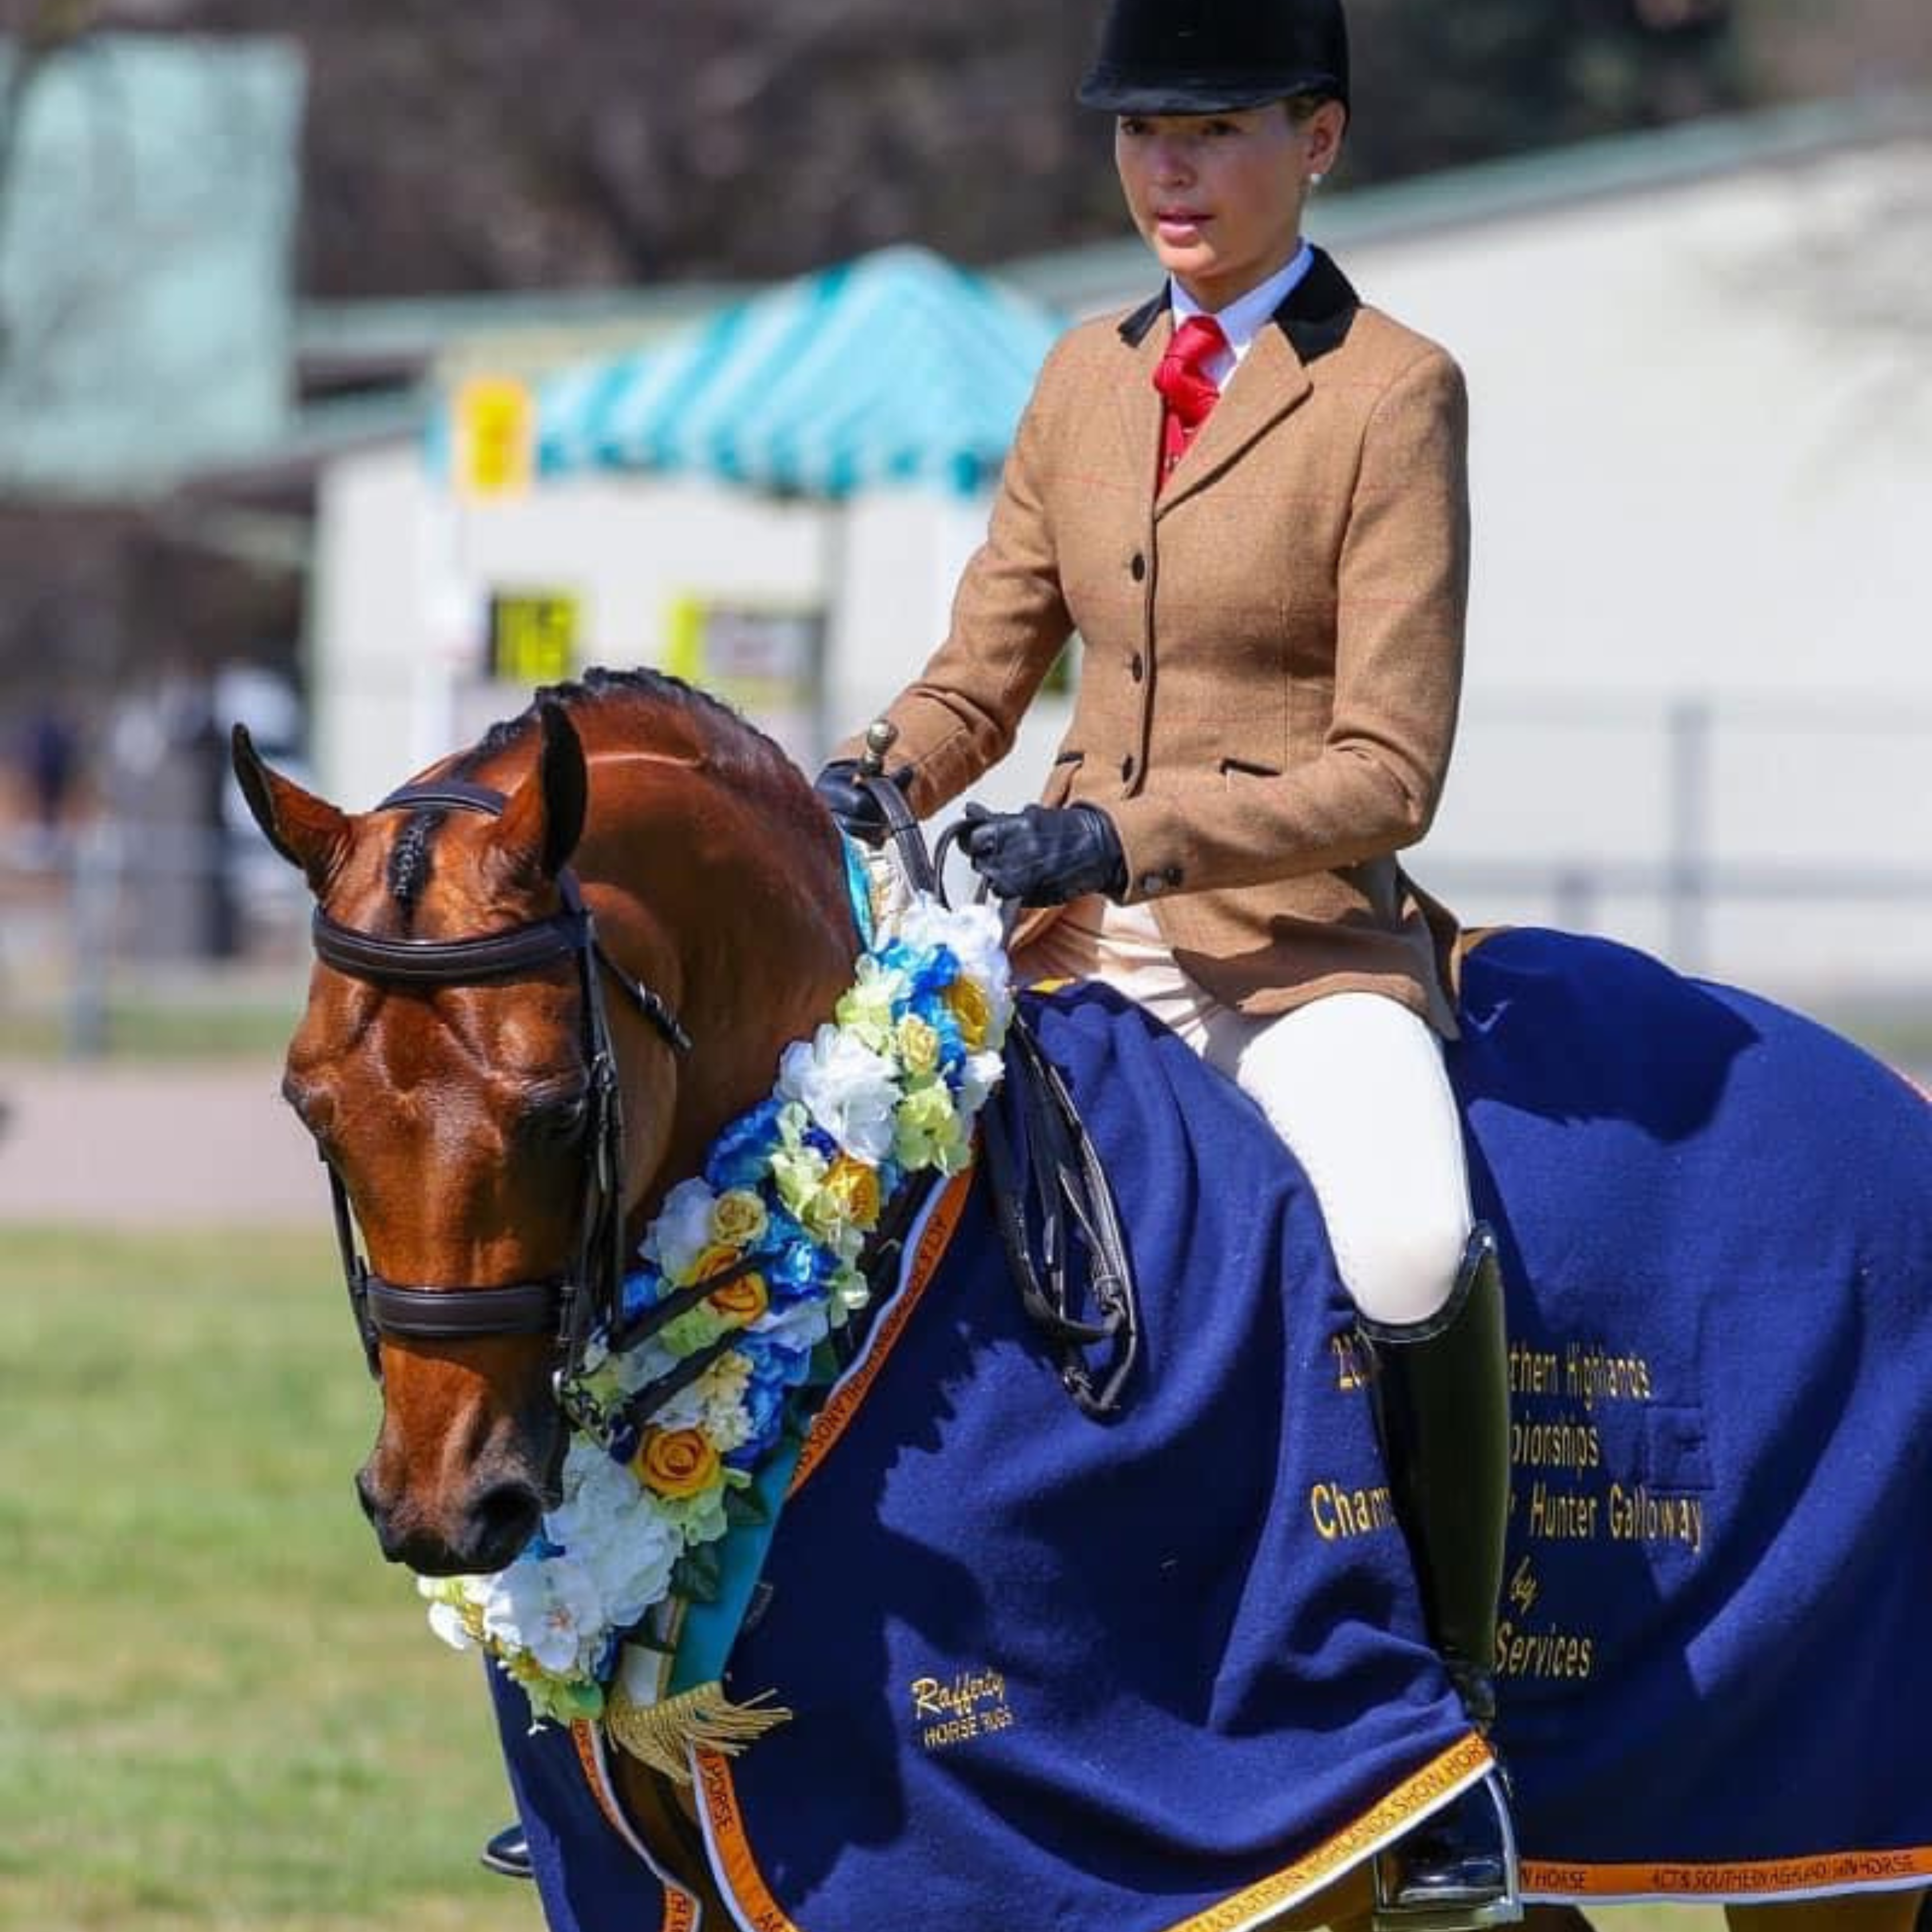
(1355, 1083)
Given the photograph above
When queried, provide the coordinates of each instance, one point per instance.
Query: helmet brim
(1114, 93)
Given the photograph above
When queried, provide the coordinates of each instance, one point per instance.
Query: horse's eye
(560, 1118)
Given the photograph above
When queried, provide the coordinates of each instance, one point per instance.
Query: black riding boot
(1442, 1402)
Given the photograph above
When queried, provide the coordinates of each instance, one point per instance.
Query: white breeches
(1353, 1082)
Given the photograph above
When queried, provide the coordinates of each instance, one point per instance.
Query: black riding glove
(855, 809)
(1044, 856)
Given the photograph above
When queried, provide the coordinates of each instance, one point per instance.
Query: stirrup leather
(1389, 1916)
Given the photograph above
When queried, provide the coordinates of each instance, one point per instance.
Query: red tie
(1182, 379)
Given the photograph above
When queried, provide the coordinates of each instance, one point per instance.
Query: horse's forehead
(408, 876)
(485, 1044)
(404, 868)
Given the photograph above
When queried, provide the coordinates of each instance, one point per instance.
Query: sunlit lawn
(222, 1709)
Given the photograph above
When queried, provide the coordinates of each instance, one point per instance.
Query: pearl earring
(1316, 180)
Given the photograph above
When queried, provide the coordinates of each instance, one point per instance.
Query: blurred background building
(325, 401)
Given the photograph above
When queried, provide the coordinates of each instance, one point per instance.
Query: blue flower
(799, 1269)
(765, 1359)
(764, 1404)
(644, 1287)
(739, 1155)
(929, 971)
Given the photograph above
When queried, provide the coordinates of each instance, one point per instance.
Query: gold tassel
(661, 1734)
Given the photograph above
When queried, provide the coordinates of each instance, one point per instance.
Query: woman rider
(1249, 497)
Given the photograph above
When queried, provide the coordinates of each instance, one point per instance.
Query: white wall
(403, 577)
(1701, 469)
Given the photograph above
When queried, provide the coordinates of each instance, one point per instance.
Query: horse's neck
(751, 901)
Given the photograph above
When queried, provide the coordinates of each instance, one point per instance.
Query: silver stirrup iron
(1388, 1916)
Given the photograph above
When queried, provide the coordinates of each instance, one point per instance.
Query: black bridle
(568, 1306)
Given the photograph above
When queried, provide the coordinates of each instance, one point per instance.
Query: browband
(490, 956)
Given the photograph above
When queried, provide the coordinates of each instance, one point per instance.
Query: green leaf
(744, 1508)
(698, 1575)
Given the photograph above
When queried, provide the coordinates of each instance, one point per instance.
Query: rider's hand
(1046, 855)
(856, 810)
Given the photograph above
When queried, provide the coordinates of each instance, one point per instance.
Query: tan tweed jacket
(1273, 644)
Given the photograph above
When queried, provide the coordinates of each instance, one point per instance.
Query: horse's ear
(308, 831)
(544, 819)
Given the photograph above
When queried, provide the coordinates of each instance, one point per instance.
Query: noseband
(567, 1307)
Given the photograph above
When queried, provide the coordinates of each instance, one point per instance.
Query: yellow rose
(918, 1045)
(969, 1006)
(737, 1219)
(741, 1301)
(676, 1463)
(853, 1188)
(715, 1260)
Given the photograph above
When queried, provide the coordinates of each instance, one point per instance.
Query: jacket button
(1137, 669)
(1127, 766)
(1138, 567)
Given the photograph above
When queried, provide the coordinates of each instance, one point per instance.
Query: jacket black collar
(1320, 309)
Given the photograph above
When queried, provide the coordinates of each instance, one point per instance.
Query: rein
(1048, 1187)
(568, 1306)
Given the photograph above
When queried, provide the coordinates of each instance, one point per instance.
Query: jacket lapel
(1270, 382)
(1137, 404)
(1273, 379)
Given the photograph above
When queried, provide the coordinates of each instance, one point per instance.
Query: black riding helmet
(1215, 56)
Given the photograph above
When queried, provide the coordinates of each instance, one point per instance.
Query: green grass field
(221, 1709)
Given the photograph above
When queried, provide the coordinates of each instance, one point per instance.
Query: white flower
(593, 1485)
(722, 1388)
(981, 1073)
(550, 1608)
(631, 1564)
(613, 1534)
(801, 1326)
(446, 1620)
(848, 1089)
(643, 1364)
(682, 1231)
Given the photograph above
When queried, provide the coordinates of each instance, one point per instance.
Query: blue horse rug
(1170, 1671)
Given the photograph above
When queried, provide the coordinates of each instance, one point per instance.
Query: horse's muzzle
(486, 1532)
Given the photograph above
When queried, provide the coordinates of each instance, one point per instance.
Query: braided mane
(735, 750)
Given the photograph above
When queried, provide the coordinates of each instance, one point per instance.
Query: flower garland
(888, 1088)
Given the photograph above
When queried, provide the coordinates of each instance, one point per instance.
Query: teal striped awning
(897, 368)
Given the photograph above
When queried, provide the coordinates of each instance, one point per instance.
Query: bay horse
(460, 1114)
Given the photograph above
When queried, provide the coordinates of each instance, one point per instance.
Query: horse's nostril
(501, 1520)
(365, 1495)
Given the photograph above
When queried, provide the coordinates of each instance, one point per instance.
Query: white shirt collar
(1247, 316)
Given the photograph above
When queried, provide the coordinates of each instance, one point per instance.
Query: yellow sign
(496, 437)
(534, 635)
